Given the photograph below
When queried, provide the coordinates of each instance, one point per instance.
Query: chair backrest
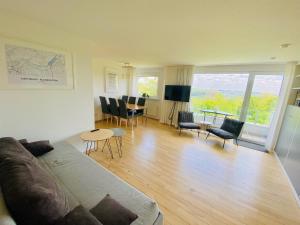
(187, 117)
(232, 126)
(113, 107)
(131, 100)
(104, 105)
(123, 109)
(125, 98)
(141, 102)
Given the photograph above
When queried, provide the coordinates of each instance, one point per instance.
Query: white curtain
(176, 75)
(282, 104)
(130, 74)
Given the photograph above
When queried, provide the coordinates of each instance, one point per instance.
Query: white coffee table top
(99, 135)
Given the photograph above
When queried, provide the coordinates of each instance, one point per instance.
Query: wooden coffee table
(92, 139)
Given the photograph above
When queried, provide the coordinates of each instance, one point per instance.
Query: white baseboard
(290, 182)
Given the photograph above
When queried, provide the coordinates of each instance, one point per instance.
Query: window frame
(148, 75)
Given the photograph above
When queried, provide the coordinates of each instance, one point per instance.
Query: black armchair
(186, 121)
(230, 129)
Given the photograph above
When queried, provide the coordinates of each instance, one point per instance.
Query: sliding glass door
(262, 96)
(251, 97)
(222, 93)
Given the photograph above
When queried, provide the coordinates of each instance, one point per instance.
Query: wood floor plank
(197, 182)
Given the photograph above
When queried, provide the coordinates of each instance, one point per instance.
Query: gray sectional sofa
(86, 182)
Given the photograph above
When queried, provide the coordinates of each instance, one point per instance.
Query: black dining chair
(114, 109)
(125, 115)
(132, 100)
(141, 102)
(125, 98)
(105, 107)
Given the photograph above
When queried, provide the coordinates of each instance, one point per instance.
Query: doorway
(251, 97)
(259, 106)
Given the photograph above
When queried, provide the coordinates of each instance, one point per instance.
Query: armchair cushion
(221, 133)
(187, 125)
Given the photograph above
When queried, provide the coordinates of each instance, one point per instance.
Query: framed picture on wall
(111, 80)
(24, 65)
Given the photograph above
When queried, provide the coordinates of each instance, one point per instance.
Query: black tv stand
(171, 115)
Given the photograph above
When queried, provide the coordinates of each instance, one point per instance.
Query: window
(264, 98)
(148, 85)
(251, 97)
(219, 92)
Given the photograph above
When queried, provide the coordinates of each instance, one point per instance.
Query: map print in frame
(29, 66)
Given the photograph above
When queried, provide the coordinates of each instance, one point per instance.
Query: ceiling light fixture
(285, 45)
(126, 69)
(273, 58)
(126, 65)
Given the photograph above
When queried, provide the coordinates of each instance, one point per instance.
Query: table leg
(132, 112)
(89, 145)
(109, 147)
(215, 118)
(86, 148)
(118, 143)
(146, 118)
(104, 145)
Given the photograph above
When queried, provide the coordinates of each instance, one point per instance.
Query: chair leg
(207, 135)
(236, 141)
(224, 143)
(198, 133)
(179, 131)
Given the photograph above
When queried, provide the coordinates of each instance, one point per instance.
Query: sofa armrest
(5, 217)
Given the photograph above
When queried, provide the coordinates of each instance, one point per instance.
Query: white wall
(47, 114)
(99, 66)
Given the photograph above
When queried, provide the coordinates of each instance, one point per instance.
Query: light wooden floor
(196, 182)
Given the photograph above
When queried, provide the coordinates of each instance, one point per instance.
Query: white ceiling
(164, 32)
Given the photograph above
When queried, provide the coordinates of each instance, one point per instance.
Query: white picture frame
(111, 80)
(26, 65)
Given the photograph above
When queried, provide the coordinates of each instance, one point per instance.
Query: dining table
(133, 108)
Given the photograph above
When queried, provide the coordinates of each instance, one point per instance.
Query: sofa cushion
(9, 147)
(69, 164)
(30, 193)
(111, 212)
(221, 133)
(22, 141)
(187, 125)
(38, 148)
(78, 216)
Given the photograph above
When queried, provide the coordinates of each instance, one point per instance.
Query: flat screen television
(179, 93)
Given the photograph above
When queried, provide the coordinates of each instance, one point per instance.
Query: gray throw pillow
(78, 216)
(30, 193)
(109, 212)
